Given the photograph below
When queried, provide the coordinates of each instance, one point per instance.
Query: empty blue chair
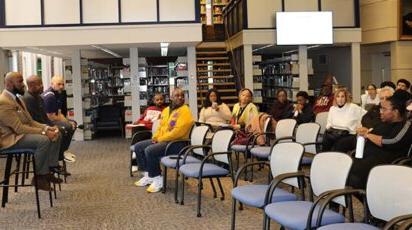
(284, 158)
(329, 172)
(388, 196)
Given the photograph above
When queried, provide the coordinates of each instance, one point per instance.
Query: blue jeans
(148, 155)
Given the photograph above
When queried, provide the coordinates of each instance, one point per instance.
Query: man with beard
(54, 102)
(35, 106)
(19, 131)
(175, 124)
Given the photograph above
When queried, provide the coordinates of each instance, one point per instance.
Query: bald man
(35, 106)
(54, 104)
(19, 131)
(175, 124)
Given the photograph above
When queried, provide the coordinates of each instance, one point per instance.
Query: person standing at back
(54, 104)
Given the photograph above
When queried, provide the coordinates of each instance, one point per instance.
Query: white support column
(58, 66)
(356, 72)
(46, 70)
(303, 68)
(77, 93)
(248, 66)
(191, 71)
(4, 67)
(135, 82)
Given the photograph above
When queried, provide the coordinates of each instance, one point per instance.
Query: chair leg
(176, 185)
(131, 164)
(36, 190)
(246, 161)
(240, 206)
(23, 173)
(233, 221)
(213, 187)
(60, 185)
(6, 180)
(221, 189)
(28, 167)
(164, 179)
(182, 198)
(16, 178)
(51, 197)
(54, 191)
(251, 168)
(65, 169)
(199, 196)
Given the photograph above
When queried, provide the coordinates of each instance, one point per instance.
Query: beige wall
(261, 13)
(23, 12)
(375, 64)
(61, 11)
(401, 56)
(139, 11)
(379, 20)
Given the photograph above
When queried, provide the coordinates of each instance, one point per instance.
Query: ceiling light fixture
(164, 46)
(107, 51)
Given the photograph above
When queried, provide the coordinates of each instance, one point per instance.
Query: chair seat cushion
(254, 195)
(17, 151)
(261, 151)
(352, 226)
(171, 163)
(192, 170)
(238, 148)
(294, 214)
(306, 160)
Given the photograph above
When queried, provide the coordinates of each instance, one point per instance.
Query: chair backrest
(389, 190)
(308, 133)
(285, 128)
(155, 125)
(322, 119)
(286, 158)
(330, 171)
(266, 126)
(197, 137)
(221, 143)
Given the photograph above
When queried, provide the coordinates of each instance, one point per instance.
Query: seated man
(35, 106)
(19, 131)
(151, 113)
(54, 102)
(388, 140)
(303, 112)
(175, 124)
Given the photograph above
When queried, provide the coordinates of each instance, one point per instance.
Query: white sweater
(366, 99)
(347, 118)
(215, 118)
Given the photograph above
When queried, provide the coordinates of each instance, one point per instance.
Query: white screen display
(304, 28)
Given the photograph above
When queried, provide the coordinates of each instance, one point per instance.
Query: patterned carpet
(101, 195)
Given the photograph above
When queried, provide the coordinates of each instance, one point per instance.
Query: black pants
(359, 172)
(343, 143)
(67, 131)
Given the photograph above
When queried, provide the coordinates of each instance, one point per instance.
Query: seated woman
(389, 140)
(343, 119)
(303, 112)
(244, 111)
(371, 98)
(282, 108)
(214, 111)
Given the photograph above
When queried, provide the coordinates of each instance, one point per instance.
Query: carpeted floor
(101, 195)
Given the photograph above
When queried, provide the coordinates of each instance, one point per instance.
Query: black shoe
(51, 178)
(42, 183)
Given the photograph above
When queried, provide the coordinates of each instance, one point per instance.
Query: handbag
(333, 134)
(241, 138)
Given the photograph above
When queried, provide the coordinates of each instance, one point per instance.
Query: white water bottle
(360, 146)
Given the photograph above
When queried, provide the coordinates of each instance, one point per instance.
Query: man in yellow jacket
(175, 124)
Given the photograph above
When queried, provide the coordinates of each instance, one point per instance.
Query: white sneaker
(133, 155)
(156, 186)
(134, 168)
(69, 157)
(144, 181)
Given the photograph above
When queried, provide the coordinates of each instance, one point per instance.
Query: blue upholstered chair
(388, 197)
(217, 164)
(284, 158)
(174, 161)
(328, 173)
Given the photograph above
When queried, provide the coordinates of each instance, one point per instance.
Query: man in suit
(35, 106)
(19, 131)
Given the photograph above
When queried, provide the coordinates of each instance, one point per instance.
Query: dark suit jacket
(15, 121)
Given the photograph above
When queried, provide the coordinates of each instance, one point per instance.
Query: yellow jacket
(247, 116)
(174, 125)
